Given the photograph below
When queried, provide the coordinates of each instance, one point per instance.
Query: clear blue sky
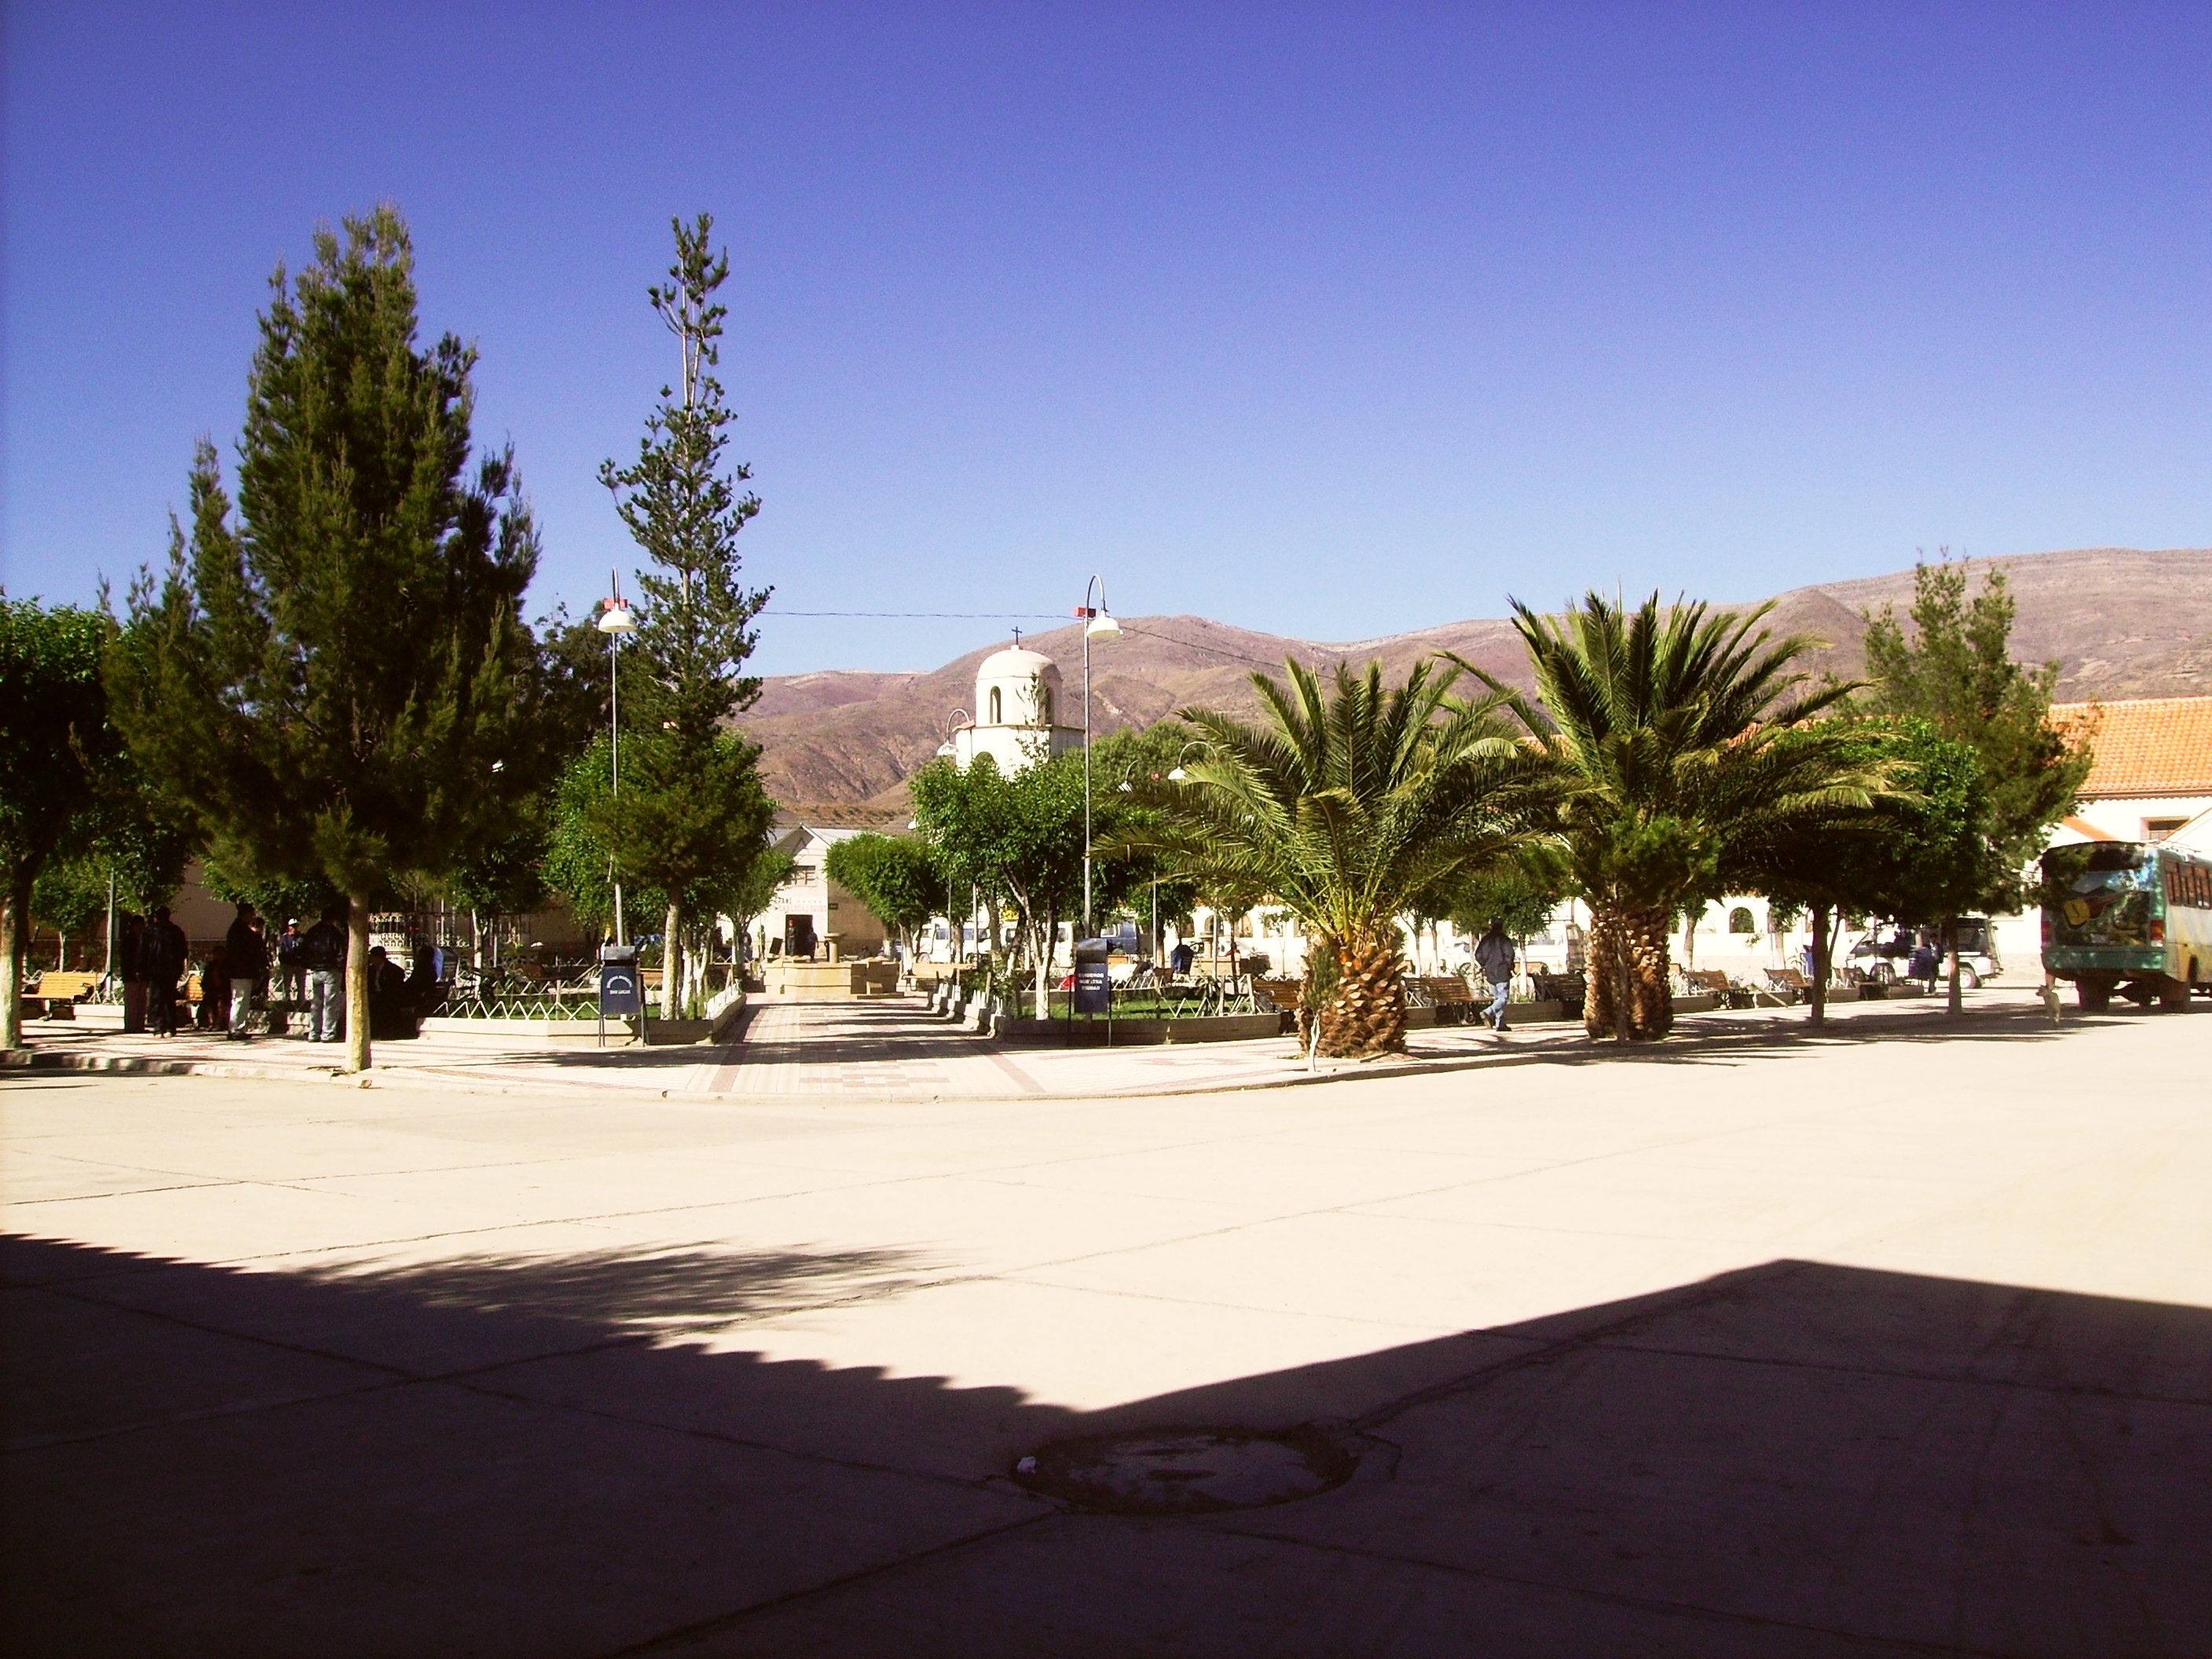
(1333, 321)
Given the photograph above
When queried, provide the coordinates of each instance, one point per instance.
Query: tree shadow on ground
(1709, 1042)
(580, 1456)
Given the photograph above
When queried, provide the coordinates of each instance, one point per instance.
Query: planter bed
(553, 1033)
(1093, 1033)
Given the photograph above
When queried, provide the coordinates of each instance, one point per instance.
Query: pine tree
(339, 683)
(692, 815)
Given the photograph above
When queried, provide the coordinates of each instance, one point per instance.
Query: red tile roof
(2148, 746)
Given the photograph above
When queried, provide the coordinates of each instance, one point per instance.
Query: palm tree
(1682, 738)
(1344, 806)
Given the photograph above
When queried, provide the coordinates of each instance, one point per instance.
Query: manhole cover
(1187, 1471)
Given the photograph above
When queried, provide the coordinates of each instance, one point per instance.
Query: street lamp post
(1099, 624)
(616, 623)
(1176, 775)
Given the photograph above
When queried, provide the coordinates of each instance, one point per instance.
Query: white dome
(1016, 663)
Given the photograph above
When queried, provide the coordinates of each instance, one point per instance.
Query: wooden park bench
(1570, 990)
(1285, 996)
(1789, 983)
(55, 987)
(1452, 998)
(1711, 981)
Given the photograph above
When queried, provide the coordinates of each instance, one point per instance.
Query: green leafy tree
(1129, 768)
(339, 685)
(574, 671)
(1345, 805)
(1681, 736)
(69, 896)
(579, 855)
(1915, 852)
(56, 748)
(1955, 669)
(692, 815)
(897, 877)
(129, 845)
(1520, 892)
(1016, 839)
(506, 877)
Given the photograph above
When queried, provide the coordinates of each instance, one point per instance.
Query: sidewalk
(894, 1050)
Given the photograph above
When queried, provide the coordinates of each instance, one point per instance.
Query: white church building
(1017, 718)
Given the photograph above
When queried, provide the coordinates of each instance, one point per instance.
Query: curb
(1565, 1042)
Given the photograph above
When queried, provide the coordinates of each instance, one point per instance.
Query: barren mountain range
(2120, 622)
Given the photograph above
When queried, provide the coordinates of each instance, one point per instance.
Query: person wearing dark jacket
(246, 950)
(1494, 958)
(322, 954)
(162, 953)
(390, 1014)
(134, 972)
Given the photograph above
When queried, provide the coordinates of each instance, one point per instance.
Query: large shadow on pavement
(578, 1456)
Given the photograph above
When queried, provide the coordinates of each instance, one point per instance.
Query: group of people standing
(234, 976)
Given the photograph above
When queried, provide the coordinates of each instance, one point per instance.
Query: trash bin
(1093, 992)
(619, 995)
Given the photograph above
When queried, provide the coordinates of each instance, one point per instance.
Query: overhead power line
(929, 615)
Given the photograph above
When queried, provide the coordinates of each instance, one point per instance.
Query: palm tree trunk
(1367, 1015)
(1819, 991)
(1645, 933)
(1605, 998)
(1626, 996)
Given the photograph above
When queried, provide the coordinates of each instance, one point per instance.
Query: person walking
(162, 953)
(245, 948)
(322, 954)
(1493, 956)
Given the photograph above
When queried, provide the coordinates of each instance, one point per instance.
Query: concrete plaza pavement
(1894, 1342)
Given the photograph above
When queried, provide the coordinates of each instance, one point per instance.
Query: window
(1044, 704)
(1740, 920)
(997, 710)
(2156, 829)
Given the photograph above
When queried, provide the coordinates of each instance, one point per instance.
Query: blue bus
(2127, 916)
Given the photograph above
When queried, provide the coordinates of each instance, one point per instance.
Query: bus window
(2100, 893)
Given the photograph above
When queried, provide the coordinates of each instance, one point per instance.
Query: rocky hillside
(2121, 623)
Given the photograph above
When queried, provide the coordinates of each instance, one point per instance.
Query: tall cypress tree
(338, 682)
(692, 815)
